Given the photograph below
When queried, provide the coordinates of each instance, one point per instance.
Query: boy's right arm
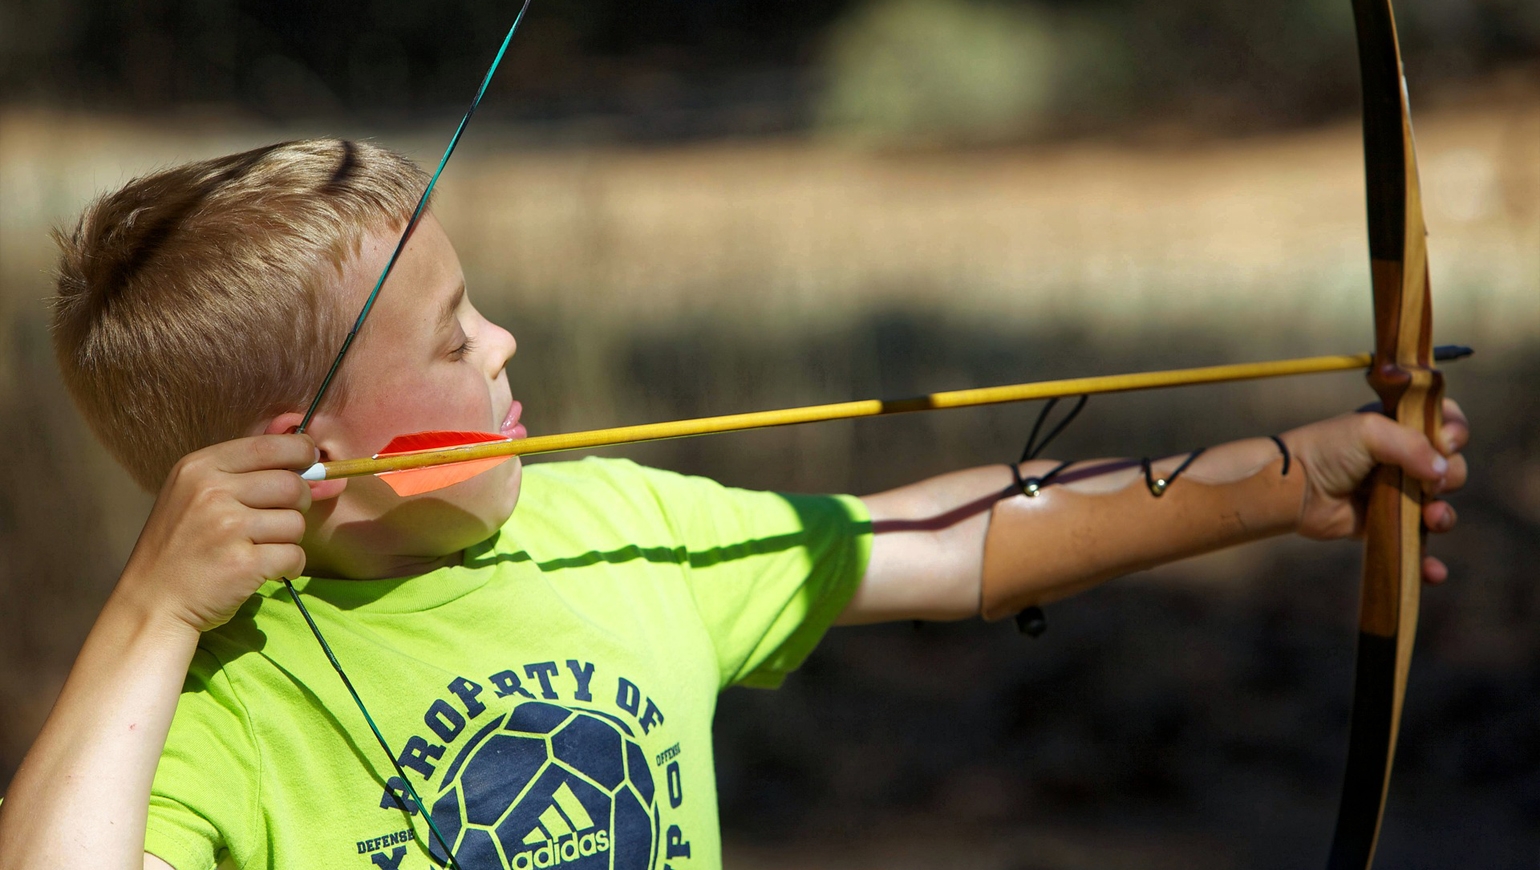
(229, 518)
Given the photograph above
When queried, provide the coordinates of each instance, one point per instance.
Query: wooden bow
(1412, 392)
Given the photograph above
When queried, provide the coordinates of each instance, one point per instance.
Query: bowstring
(379, 737)
(417, 213)
(331, 373)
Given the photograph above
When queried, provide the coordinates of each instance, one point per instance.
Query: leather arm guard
(1098, 536)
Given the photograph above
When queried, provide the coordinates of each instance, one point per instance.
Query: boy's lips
(511, 427)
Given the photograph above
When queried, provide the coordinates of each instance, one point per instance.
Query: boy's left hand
(1338, 455)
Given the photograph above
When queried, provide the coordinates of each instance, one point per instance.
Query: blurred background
(684, 207)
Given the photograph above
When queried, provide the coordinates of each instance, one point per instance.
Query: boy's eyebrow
(446, 314)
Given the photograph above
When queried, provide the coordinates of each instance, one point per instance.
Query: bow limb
(1411, 391)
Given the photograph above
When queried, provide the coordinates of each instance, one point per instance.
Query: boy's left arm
(1098, 519)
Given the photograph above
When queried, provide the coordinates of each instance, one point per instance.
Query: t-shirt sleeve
(206, 780)
(768, 572)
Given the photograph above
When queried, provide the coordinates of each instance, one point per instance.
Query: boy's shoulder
(617, 502)
(593, 476)
(583, 478)
(592, 498)
(603, 501)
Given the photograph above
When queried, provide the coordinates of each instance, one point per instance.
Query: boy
(546, 676)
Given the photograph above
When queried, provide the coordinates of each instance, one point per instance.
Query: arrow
(425, 461)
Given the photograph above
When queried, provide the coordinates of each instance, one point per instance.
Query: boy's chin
(467, 513)
(432, 525)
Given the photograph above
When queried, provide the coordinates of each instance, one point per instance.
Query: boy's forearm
(967, 542)
(1102, 519)
(81, 795)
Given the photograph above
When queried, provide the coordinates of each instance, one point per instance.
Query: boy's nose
(502, 347)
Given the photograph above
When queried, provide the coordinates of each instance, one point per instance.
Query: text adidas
(557, 852)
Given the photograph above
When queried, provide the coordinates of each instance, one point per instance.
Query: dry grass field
(1192, 717)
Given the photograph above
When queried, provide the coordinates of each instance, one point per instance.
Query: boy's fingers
(1455, 433)
(276, 527)
(274, 489)
(1439, 516)
(296, 452)
(1458, 471)
(281, 560)
(1434, 571)
(1390, 444)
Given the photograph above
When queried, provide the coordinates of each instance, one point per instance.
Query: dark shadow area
(671, 70)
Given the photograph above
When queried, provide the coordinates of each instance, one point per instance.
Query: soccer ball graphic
(549, 787)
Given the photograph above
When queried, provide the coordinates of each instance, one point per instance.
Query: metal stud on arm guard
(1096, 536)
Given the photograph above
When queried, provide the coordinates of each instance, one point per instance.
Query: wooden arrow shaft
(847, 410)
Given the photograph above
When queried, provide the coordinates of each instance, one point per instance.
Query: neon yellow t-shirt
(550, 699)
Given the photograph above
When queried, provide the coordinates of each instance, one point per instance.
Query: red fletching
(419, 441)
(415, 481)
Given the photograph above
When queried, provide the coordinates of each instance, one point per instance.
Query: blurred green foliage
(963, 71)
(910, 69)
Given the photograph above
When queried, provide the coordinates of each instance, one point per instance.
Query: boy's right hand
(228, 518)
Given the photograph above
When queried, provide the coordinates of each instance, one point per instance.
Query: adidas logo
(564, 833)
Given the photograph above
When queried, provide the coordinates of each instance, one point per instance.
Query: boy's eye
(465, 348)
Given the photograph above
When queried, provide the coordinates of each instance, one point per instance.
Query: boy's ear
(287, 423)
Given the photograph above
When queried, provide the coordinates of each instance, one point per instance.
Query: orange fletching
(415, 481)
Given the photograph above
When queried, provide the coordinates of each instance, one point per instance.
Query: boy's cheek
(411, 414)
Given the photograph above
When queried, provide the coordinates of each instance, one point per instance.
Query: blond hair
(200, 300)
